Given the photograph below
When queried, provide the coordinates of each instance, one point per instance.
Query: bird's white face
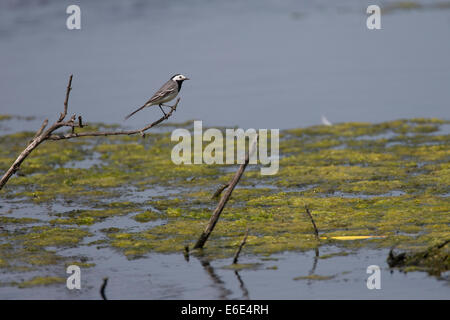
(179, 77)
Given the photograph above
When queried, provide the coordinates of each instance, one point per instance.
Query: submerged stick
(226, 196)
(103, 287)
(238, 251)
(316, 231)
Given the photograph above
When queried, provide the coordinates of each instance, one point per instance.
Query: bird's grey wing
(168, 88)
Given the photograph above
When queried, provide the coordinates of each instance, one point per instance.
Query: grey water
(162, 276)
(341, 272)
(253, 64)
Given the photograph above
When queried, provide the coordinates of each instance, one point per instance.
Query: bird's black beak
(187, 79)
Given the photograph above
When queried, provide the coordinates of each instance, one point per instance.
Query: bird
(166, 93)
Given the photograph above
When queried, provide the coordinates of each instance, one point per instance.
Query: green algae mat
(367, 185)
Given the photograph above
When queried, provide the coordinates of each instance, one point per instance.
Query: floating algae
(389, 181)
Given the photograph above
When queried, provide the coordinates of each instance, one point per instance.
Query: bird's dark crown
(178, 74)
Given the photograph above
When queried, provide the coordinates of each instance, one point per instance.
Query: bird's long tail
(139, 109)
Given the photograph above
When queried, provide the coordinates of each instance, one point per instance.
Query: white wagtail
(166, 93)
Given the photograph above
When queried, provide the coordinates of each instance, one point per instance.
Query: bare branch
(66, 100)
(49, 134)
(15, 166)
(223, 201)
(113, 133)
(41, 129)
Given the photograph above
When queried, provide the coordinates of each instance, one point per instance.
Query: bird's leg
(162, 110)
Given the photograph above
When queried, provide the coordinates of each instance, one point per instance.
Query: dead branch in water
(103, 287)
(316, 231)
(43, 135)
(226, 196)
(238, 251)
(435, 259)
(186, 253)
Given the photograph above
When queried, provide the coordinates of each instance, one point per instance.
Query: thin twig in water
(186, 253)
(103, 287)
(43, 135)
(316, 231)
(226, 196)
(238, 251)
